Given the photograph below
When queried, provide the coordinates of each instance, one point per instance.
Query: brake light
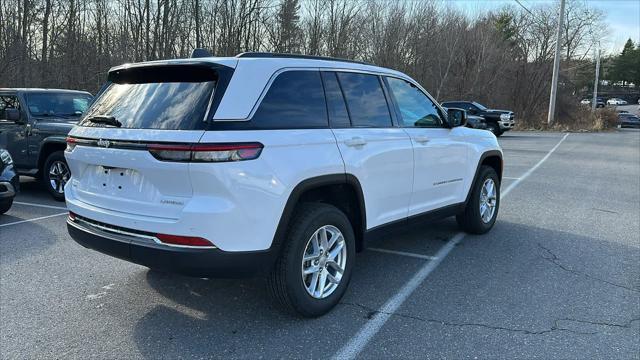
(71, 144)
(183, 240)
(206, 152)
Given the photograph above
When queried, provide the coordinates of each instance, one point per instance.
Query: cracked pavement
(558, 277)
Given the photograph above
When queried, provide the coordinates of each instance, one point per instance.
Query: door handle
(355, 141)
(27, 130)
(421, 139)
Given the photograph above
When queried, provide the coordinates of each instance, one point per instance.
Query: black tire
(55, 158)
(494, 128)
(285, 282)
(470, 220)
(5, 205)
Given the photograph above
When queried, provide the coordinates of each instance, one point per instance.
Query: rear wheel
(481, 211)
(314, 269)
(55, 174)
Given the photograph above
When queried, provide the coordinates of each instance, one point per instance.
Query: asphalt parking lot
(558, 277)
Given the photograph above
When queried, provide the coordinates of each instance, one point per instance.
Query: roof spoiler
(200, 53)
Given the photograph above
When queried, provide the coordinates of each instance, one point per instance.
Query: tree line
(502, 58)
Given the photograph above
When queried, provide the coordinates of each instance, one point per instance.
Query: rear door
(440, 153)
(117, 158)
(378, 153)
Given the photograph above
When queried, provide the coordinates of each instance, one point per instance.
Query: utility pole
(556, 68)
(595, 83)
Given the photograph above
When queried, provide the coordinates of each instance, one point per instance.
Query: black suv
(33, 126)
(498, 121)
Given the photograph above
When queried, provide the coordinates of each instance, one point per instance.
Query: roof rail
(296, 56)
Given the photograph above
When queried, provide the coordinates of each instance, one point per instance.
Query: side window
(416, 109)
(294, 100)
(338, 115)
(366, 102)
(8, 102)
(467, 106)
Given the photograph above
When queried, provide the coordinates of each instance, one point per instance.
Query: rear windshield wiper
(103, 119)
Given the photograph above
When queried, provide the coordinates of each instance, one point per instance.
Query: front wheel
(314, 269)
(481, 210)
(55, 174)
(494, 128)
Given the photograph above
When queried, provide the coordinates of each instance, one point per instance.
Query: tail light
(206, 152)
(71, 144)
(183, 240)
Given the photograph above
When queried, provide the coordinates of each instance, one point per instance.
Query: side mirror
(457, 117)
(12, 114)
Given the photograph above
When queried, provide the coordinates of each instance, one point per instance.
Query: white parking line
(355, 345)
(403, 253)
(40, 205)
(34, 219)
(511, 178)
(530, 171)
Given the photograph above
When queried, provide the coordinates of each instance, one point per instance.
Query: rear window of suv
(173, 98)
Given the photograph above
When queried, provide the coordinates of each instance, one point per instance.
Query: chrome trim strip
(89, 226)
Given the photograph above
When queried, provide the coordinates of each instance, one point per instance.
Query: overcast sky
(623, 16)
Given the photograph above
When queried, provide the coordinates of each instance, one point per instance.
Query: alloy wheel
(58, 176)
(324, 261)
(488, 200)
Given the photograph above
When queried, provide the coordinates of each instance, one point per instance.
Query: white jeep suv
(270, 164)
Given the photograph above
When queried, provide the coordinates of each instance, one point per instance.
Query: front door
(440, 153)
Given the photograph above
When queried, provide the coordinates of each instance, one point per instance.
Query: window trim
(326, 100)
(443, 114)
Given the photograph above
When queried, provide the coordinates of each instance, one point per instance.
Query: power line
(524, 7)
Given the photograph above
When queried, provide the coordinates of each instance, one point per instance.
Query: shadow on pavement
(518, 265)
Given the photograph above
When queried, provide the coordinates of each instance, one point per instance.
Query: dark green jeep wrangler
(33, 126)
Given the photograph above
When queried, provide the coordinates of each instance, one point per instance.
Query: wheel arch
(48, 147)
(340, 190)
(492, 158)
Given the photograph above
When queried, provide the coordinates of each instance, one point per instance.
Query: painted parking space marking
(358, 342)
(403, 253)
(34, 219)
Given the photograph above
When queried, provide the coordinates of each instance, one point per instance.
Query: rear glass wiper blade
(103, 119)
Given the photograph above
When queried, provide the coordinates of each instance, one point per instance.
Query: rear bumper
(190, 261)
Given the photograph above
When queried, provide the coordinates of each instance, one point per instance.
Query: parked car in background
(9, 181)
(270, 164)
(473, 121)
(33, 126)
(600, 102)
(627, 120)
(476, 122)
(616, 101)
(497, 121)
